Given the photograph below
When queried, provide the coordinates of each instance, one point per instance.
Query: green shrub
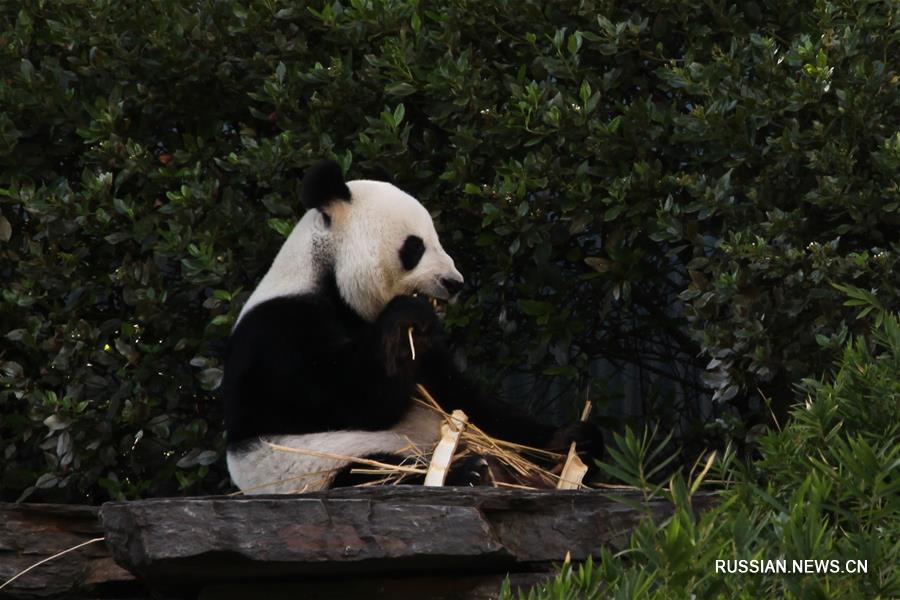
(825, 487)
(670, 186)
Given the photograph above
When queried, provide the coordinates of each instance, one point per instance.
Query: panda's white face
(384, 244)
(379, 243)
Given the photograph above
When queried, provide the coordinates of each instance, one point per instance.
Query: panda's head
(378, 241)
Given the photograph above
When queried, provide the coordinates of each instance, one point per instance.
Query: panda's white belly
(261, 469)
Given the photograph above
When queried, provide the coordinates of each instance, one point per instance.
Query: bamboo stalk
(573, 471)
(412, 346)
(49, 558)
(511, 455)
(586, 411)
(514, 486)
(443, 453)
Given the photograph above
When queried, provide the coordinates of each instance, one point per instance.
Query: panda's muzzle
(441, 295)
(453, 286)
(437, 304)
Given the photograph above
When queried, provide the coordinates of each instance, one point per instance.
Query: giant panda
(319, 358)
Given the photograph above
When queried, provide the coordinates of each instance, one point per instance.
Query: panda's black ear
(323, 183)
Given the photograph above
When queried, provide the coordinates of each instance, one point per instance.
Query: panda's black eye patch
(411, 252)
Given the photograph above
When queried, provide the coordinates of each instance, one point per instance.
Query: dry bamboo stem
(573, 471)
(49, 558)
(446, 448)
(586, 412)
(412, 346)
(514, 486)
(355, 459)
(430, 402)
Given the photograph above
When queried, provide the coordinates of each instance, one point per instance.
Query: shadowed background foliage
(666, 190)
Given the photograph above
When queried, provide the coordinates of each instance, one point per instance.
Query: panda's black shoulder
(284, 322)
(281, 311)
(271, 356)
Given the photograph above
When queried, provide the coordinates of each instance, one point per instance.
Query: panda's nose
(451, 285)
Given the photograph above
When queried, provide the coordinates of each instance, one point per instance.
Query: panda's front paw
(472, 471)
(407, 327)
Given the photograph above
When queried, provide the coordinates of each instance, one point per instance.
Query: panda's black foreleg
(374, 393)
(453, 390)
(434, 368)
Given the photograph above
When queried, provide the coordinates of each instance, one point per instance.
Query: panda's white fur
(267, 470)
(358, 241)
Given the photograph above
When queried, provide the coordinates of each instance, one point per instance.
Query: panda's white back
(296, 267)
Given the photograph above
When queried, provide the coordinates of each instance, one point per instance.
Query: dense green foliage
(671, 185)
(826, 487)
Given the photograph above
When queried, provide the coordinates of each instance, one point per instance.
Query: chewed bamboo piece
(442, 456)
(586, 411)
(574, 469)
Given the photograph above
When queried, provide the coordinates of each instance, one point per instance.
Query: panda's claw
(473, 471)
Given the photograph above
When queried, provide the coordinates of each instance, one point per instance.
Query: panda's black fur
(303, 367)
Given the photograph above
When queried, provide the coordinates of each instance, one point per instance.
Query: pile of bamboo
(515, 461)
(513, 465)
